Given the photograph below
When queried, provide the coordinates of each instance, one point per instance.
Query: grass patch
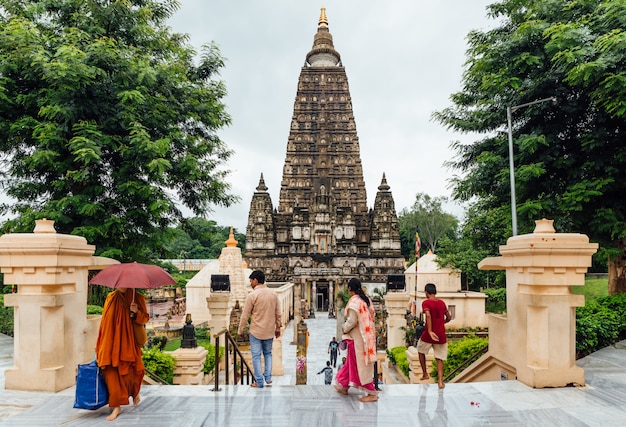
(174, 344)
(593, 289)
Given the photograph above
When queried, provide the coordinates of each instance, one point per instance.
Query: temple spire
(261, 186)
(383, 184)
(323, 19)
(323, 53)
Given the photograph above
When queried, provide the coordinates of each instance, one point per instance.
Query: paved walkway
(602, 402)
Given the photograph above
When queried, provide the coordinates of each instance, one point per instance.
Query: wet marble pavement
(602, 402)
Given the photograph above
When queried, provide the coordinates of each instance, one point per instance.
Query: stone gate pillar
(219, 308)
(52, 332)
(537, 336)
(396, 303)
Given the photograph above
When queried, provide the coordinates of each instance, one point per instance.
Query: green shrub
(203, 333)
(496, 300)
(209, 362)
(160, 363)
(399, 355)
(94, 309)
(161, 343)
(6, 318)
(458, 352)
(600, 323)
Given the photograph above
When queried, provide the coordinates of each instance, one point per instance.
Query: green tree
(198, 238)
(426, 214)
(570, 159)
(107, 126)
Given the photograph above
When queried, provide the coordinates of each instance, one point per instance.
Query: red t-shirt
(437, 310)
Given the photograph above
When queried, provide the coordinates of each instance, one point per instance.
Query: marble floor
(602, 402)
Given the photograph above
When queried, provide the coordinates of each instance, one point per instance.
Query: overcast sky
(403, 59)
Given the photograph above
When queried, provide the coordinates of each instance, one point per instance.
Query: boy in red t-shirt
(434, 335)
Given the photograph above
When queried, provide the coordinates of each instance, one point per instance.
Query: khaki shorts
(440, 350)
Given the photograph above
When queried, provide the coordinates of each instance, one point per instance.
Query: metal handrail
(228, 338)
(474, 357)
(154, 377)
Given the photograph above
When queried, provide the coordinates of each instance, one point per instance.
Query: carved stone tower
(322, 232)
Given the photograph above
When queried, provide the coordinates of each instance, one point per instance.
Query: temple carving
(322, 232)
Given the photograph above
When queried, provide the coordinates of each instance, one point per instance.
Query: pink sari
(348, 375)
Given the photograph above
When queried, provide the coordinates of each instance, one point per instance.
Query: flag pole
(418, 245)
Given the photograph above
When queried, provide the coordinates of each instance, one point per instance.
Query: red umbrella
(133, 275)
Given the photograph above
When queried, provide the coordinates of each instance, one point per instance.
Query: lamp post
(509, 113)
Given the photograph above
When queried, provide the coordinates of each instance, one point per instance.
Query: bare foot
(369, 398)
(340, 389)
(113, 415)
(424, 377)
(441, 385)
(136, 400)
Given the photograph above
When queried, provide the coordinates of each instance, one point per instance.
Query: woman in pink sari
(360, 335)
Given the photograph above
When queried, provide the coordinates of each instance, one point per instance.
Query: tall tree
(107, 125)
(570, 159)
(198, 238)
(428, 216)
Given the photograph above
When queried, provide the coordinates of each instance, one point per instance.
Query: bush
(203, 333)
(399, 356)
(458, 352)
(600, 324)
(209, 362)
(160, 342)
(94, 309)
(6, 318)
(160, 363)
(496, 300)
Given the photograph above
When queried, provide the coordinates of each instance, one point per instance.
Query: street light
(509, 113)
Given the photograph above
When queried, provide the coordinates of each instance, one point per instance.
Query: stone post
(189, 365)
(396, 303)
(537, 336)
(297, 311)
(301, 362)
(277, 356)
(219, 308)
(52, 332)
(415, 369)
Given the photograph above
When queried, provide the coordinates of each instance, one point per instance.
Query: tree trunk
(617, 270)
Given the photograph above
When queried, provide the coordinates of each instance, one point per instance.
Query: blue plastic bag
(91, 390)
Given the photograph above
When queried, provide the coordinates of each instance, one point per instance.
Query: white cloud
(403, 60)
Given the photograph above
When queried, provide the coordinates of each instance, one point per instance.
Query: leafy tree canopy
(570, 158)
(107, 125)
(198, 238)
(428, 216)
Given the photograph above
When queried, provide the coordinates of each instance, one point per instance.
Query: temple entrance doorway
(321, 297)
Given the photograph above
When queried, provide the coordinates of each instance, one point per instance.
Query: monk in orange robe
(117, 354)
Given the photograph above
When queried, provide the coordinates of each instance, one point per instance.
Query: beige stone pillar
(277, 356)
(297, 311)
(219, 308)
(396, 303)
(537, 336)
(415, 369)
(52, 332)
(189, 365)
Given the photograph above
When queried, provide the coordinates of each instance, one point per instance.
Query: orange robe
(116, 351)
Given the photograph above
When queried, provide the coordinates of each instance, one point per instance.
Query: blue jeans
(257, 347)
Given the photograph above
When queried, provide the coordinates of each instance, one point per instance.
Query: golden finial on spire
(323, 20)
(231, 242)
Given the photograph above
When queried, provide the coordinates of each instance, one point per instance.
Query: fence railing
(230, 345)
